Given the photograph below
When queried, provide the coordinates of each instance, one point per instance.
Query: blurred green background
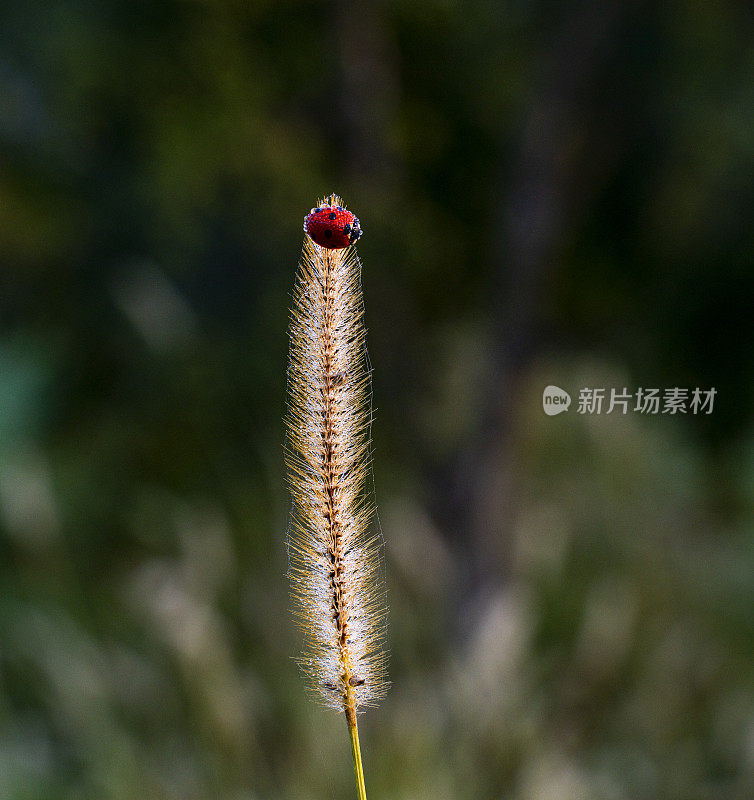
(551, 193)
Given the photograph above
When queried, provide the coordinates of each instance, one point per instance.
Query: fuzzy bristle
(338, 594)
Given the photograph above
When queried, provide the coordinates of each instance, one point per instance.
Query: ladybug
(332, 227)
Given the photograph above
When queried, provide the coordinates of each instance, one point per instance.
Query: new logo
(555, 400)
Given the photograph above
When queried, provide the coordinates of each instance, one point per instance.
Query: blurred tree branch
(561, 162)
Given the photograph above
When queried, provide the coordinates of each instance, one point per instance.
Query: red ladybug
(332, 226)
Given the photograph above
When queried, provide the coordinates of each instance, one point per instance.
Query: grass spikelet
(334, 569)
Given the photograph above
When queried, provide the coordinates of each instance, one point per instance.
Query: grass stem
(353, 731)
(334, 561)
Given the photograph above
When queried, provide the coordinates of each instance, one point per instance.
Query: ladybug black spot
(333, 215)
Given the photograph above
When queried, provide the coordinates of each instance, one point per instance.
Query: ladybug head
(355, 232)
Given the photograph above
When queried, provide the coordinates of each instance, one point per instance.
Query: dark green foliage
(550, 193)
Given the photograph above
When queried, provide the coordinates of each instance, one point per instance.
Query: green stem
(353, 731)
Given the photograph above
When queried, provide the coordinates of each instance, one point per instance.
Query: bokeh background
(551, 193)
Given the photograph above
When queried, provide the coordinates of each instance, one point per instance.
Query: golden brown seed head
(338, 597)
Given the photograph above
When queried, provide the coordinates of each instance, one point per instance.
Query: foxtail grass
(334, 555)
